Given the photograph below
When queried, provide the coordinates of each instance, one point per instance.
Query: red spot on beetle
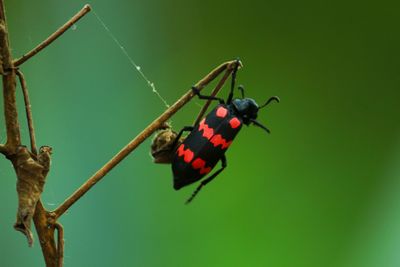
(234, 122)
(217, 140)
(221, 112)
(201, 165)
(207, 131)
(186, 153)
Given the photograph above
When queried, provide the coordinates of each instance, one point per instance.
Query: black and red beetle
(208, 140)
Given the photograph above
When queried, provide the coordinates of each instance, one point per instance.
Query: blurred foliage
(321, 190)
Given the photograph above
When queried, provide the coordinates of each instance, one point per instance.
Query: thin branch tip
(86, 9)
(28, 111)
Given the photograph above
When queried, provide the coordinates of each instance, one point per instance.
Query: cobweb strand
(136, 67)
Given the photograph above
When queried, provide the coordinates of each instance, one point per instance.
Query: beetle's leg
(197, 92)
(233, 81)
(184, 129)
(208, 179)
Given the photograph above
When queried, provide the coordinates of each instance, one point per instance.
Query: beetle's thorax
(245, 108)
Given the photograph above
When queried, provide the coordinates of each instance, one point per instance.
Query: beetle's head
(247, 109)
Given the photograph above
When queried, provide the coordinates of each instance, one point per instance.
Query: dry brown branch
(216, 90)
(149, 130)
(213, 93)
(45, 229)
(28, 111)
(9, 85)
(32, 167)
(54, 36)
(60, 243)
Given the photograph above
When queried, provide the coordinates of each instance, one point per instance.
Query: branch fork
(32, 166)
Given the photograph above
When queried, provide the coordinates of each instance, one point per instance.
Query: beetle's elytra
(196, 156)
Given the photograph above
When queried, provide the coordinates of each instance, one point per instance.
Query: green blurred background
(321, 190)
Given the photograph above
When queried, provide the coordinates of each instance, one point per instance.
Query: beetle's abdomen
(204, 146)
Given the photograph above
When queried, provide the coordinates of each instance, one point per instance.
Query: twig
(28, 111)
(155, 125)
(54, 36)
(23, 163)
(2, 11)
(216, 90)
(60, 243)
(213, 93)
(10, 105)
(45, 234)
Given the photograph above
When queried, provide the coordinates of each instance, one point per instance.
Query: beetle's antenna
(238, 64)
(133, 63)
(272, 98)
(256, 123)
(241, 88)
